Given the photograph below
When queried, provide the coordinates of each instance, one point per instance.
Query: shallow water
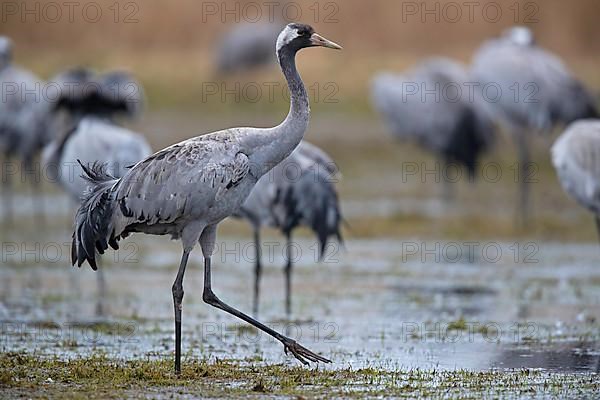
(381, 302)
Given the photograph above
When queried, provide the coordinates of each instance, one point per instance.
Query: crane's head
(519, 35)
(6, 47)
(299, 36)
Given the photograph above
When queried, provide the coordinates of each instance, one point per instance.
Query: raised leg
(177, 303)
(288, 275)
(301, 353)
(257, 272)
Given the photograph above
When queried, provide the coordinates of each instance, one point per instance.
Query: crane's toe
(301, 353)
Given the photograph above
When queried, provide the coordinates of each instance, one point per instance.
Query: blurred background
(171, 48)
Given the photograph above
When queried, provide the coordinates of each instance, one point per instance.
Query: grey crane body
(186, 189)
(23, 113)
(23, 124)
(157, 196)
(299, 191)
(429, 105)
(23, 109)
(537, 93)
(537, 90)
(576, 158)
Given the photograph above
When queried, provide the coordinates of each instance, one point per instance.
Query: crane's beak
(318, 40)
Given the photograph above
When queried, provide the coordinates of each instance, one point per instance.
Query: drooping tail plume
(93, 222)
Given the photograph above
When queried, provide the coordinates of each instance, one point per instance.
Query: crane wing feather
(181, 180)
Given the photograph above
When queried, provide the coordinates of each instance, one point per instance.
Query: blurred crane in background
(86, 115)
(429, 105)
(537, 92)
(89, 130)
(247, 46)
(24, 126)
(298, 192)
(576, 157)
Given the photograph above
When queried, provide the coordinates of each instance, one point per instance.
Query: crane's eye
(303, 31)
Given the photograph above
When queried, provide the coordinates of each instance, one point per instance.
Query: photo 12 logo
(469, 12)
(69, 12)
(270, 11)
(74, 334)
(470, 252)
(322, 332)
(271, 92)
(58, 252)
(470, 92)
(463, 331)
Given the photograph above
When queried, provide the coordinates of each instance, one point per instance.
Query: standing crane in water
(187, 189)
(85, 114)
(537, 93)
(299, 191)
(24, 125)
(428, 105)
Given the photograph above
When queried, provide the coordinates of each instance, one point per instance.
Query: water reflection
(572, 357)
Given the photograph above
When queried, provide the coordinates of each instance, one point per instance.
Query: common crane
(431, 105)
(24, 123)
(187, 189)
(531, 91)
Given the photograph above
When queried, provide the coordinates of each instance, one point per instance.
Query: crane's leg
(523, 177)
(448, 190)
(177, 303)
(257, 272)
(597, 218)
(7, 191)
(74, 291)
(288, 275)
(37, 197)
(207, 241)
(38, 202)
(101, 281)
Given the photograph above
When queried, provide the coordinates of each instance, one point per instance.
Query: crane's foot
(302, 353)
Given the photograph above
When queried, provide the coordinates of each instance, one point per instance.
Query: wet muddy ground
(387, 304)
(425, 298)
